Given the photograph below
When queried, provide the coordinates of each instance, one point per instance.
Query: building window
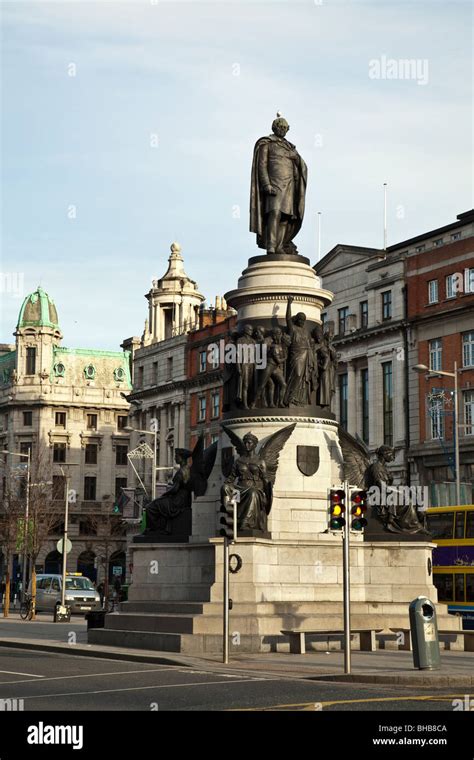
(215, 404)
(90, 488)
(456, 236)
(202, 361)
(469, 412)
(387, 403)
(92, 422)
(60, 419)
(436, 354)
(59, 487)
(324, 318)
(433, 291)
(25, 447)
(364, 314)
(419, 248)
(451, 285)
(342, 319)
(436, 412)
(59, 452)
(215, 359)
(59, 369)
(87, 528)
(27, 419)
(202, 409)
(119, 484)
(91, 453)
(469, 280)
(169, 368)
(30, 361)
(121, 455)
(343, 401)
(119, 374)
(155, 373)
(214, 438)
(437, 243)
(140, 377)
(387, 305)
(89, 372)
(468, 349)
(364, 378)
(122, 421)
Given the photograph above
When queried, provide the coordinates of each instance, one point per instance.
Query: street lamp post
(423, 369)
(27, 511)
(154, 433)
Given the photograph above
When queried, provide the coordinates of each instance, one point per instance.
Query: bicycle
(27, 608)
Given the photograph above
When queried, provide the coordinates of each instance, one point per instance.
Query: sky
(130, 125)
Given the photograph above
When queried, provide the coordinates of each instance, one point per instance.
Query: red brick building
(205, 374)
(440, 313)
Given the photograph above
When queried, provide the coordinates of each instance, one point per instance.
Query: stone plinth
(175, 601)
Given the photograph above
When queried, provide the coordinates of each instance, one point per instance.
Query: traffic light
(358, 509)
(227, 521)
(337, 508)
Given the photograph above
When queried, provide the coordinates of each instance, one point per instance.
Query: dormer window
(89, 372)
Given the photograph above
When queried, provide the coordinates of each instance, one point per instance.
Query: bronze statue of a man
(277, 191)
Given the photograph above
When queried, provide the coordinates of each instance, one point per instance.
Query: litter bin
(124, 592)
(95, 619)
(424, 634)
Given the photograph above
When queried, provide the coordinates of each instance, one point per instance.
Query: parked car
(80, 596)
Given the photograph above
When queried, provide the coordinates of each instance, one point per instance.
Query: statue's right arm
(263, 177)
(289, 321)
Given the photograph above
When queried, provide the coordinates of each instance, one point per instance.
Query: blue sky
(207, 79)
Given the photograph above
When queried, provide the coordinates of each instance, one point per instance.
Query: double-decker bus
(452, 529)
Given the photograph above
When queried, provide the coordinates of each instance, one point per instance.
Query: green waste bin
(424, 634)
(124, 592)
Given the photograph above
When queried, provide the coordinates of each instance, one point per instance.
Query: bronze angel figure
(376, 478)
(253, 476)
(187, 480)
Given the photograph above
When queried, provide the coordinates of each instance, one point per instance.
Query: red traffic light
(337, 508)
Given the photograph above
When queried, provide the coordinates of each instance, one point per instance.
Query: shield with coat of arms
(307, 458)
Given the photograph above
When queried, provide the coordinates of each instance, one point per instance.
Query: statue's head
(181, 456)
(280, 126)
(317, 333)
(248, 330)
(329, 329)
(300, 319)
(386, 453)
(259, 333)
(285, 339)
(276, 334)
(250, 441)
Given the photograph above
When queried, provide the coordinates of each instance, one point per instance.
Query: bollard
(424, 634)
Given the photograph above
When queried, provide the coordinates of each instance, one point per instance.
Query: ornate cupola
(174, 302)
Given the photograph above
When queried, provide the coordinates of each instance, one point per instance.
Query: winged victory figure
(253, 476)
(362, 472)
(187, 480)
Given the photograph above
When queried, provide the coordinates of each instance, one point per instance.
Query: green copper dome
(38, 310)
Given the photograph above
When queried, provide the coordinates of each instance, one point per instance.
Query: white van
(80, 596)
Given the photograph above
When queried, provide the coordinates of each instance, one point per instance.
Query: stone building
(159, 370)
(66, 407)
(368, 314)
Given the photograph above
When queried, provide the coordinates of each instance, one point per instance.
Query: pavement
(380, 667)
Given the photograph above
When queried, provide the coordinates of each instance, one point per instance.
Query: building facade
(440, 286)
(65, 407)
(411, 304)
(368, 318)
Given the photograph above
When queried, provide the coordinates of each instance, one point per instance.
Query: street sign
(59, 546)
(117, 570)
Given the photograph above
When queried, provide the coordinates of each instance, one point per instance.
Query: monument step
(191, 608)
